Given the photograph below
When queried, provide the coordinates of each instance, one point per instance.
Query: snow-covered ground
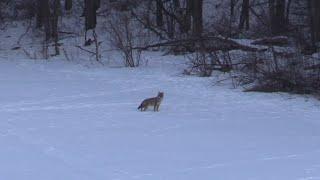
(60, 121)
(63, 120)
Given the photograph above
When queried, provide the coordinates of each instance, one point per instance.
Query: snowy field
(61, 121)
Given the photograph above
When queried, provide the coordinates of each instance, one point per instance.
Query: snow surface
(61, 121)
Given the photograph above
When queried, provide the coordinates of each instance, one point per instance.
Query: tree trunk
(314, 6)
(43, 15)
(46, 19)
(1, 7)
(68, 5)
(170, 27)
(288, 11)
(197, 18)
(179, 16)
(39, 18)
(232, 5)
(90, 14)
(159, 13)
(231, 18)
(244, 17)
(188, 16)
(97, 4)
(54, 24)
(277, 11)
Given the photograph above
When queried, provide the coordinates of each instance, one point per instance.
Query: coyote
(154, 101)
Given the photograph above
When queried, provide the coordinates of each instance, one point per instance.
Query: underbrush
(269, 69)
(275, 71)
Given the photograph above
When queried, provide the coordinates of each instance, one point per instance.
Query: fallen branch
(208, 44)
(272, 41)
(93, 53)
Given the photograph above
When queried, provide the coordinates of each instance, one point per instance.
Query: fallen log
(206, 44)
(272, 41)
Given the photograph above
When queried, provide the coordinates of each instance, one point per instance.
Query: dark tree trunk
(231, 18)
(314, 6)
(288, 11)
(244, 17)
(159, 13)
(68, 5)
(54, 24)
(197, 18)
(43, 15)
(97, 4)
(39, 14)
(188, 16)
(232, 5)
(46, 19)
(90, 13)
(280, 14)
(1, 7)
(277, 10)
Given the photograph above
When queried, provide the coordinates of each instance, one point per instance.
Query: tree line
(184, 18)
(206, 29)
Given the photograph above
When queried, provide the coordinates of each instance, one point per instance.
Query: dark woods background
(265, 45)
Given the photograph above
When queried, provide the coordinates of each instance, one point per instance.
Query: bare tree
(124, 36)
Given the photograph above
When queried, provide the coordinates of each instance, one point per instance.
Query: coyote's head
(160, 94)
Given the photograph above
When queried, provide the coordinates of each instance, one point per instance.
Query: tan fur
(153, 102)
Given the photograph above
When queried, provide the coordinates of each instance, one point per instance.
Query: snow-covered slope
(60, 121)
